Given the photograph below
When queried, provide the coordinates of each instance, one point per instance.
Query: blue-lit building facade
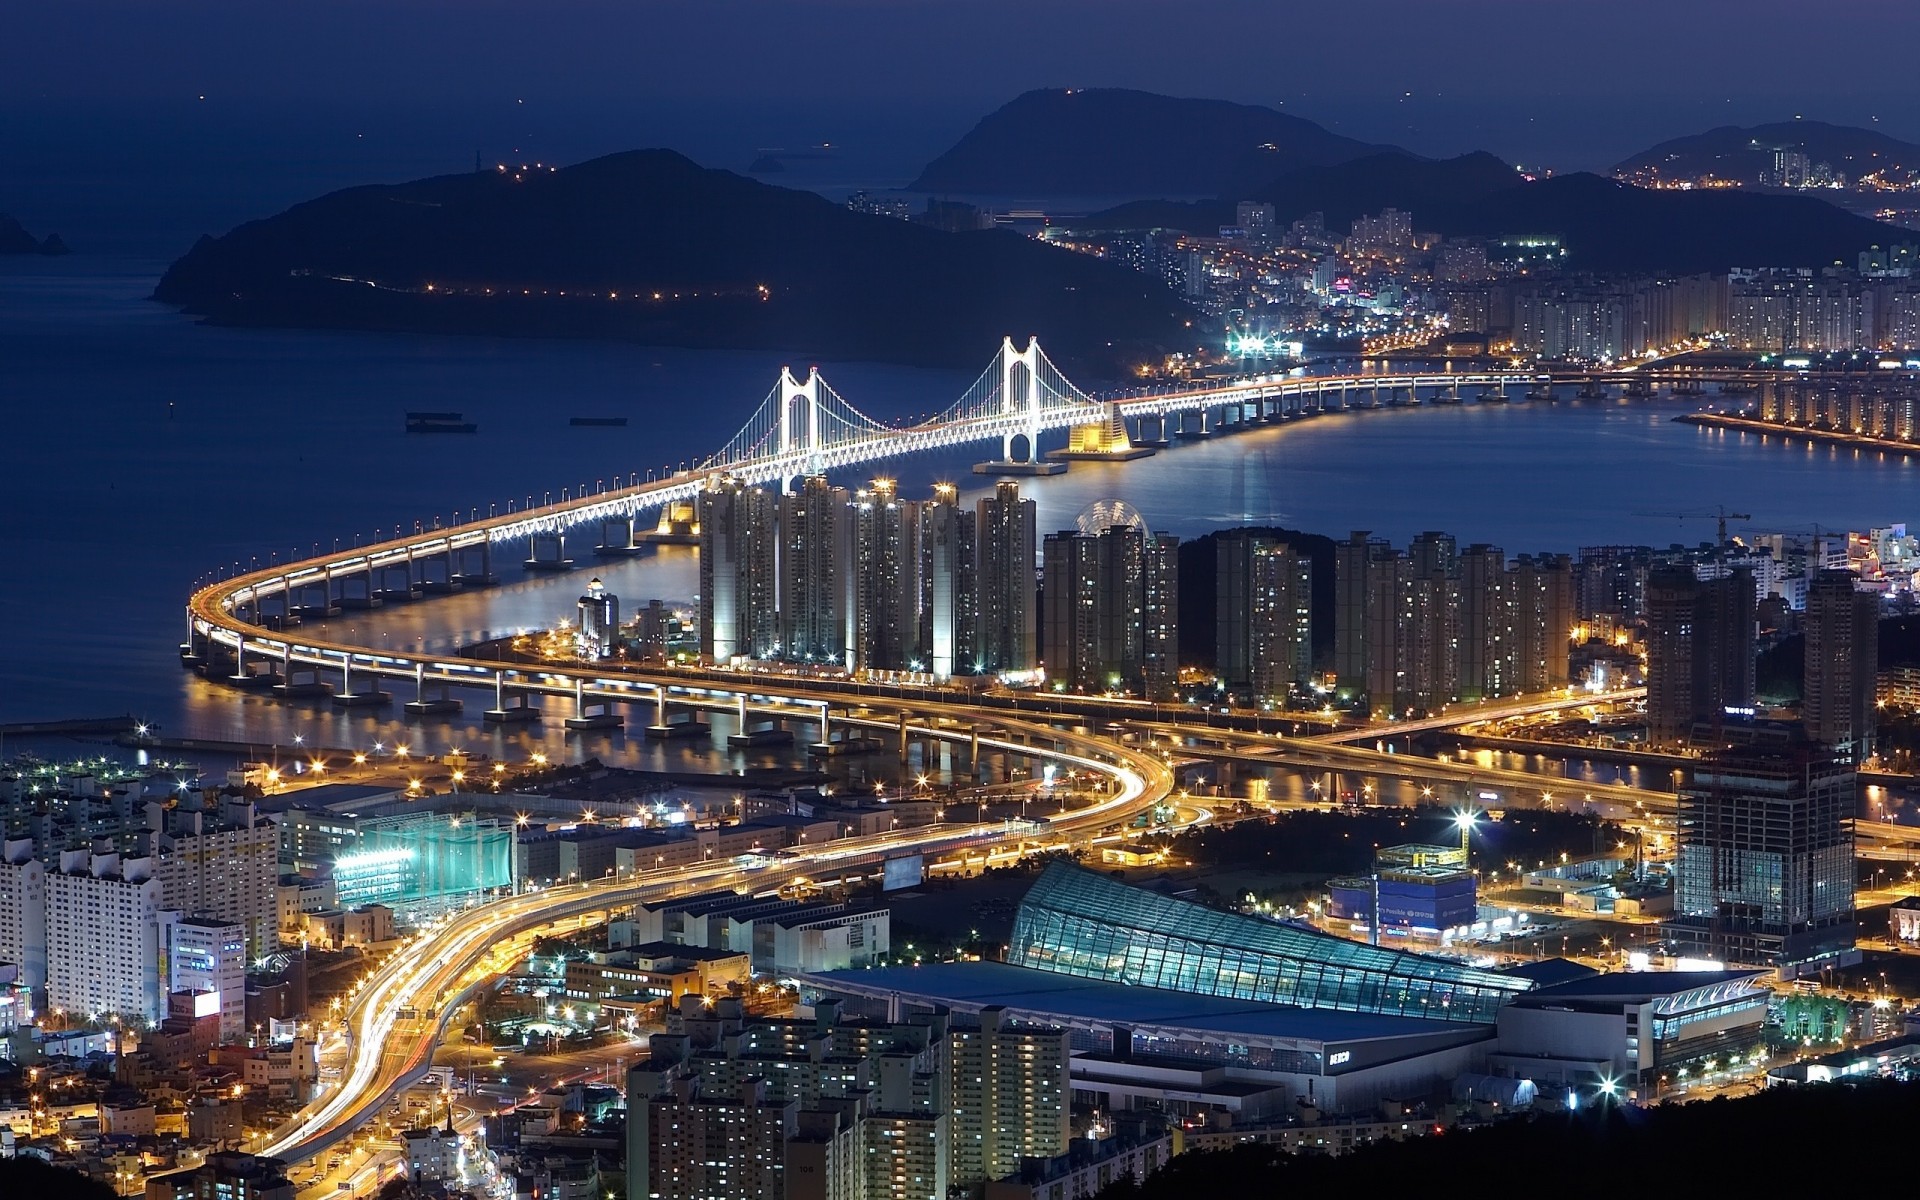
(1422, 892)
(410, 858)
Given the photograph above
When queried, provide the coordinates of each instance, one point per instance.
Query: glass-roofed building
(1081, 923)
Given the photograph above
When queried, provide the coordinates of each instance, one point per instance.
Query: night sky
(219, 110)
(1520, 76)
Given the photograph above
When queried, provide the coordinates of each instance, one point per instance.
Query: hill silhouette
(14, 239)
(1343, 191)
(1741, 152)
(648, 246)
(1608, 226)
(1118, 142)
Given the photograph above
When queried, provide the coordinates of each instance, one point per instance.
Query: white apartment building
(23, 913)
(103, 950)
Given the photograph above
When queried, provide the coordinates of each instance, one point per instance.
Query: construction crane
(1719, 513)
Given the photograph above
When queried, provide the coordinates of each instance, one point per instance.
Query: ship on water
(440, 422)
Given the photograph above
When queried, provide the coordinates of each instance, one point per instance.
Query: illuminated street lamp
(1464, 820)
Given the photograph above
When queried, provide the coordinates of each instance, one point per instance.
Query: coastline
(1801, 433)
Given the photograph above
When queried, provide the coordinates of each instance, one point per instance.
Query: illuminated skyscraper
(949, 590)
(1112, 609)
(1004, 527)
(886, 570)
(737, 610)
(1842, 653)
(1009, 1096)
(817, 576)
(1263, 614)
(1700, 649)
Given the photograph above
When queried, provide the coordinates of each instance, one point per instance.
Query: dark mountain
(1606, 225)
(1611, 226)
(14, 239)
(647, 246)
(1742, 152)
(1115, 142)
(1343, 191)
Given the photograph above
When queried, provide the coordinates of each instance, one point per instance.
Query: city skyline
(839, 600)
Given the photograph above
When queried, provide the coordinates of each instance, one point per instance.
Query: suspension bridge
(802, 427)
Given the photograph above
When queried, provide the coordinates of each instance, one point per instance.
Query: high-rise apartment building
(737, 610)
(1429, 629)
(1489, 639)
(1112, 609)
(1356, 561)
(1422, 629)
(1542, 589)
(1700, 649)
(103, 951)
(1005, 532)
(816, 592)
(1009, 1096)
(23, 913)
(1263, 614)
(1842, 664)
(821, 1108)
(885, 567)
(223, 864)
(1765, 870)
(949, 587)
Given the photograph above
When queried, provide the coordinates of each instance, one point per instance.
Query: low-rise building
(1631, 1032)
(657, 971)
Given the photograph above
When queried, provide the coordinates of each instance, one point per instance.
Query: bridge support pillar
(365, 596)
(473, 565)
(387, 576)
(437, 574)
(300, 681)
(769, 730)
(665, 726)
(616, 538)
(548, 552)
(592, 712)
(430, 699)
(370, 697)
(509, 707)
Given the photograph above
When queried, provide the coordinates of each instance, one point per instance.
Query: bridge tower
(1020, 402)
(799, 425)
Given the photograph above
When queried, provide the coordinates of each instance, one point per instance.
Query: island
(648, 246)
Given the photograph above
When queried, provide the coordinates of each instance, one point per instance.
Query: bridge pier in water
(684, 722)
(616, 538)
(547, 551)
(370, 695)
(511, 706)
(384, 579)
(431, 699)
(767, 729)
(592, 712)
(472, 565)
(357, 590)
(437, 574)
(300, 681)
(257, 674)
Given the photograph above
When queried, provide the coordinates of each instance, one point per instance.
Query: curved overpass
(433, 972)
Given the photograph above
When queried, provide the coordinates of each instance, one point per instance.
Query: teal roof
(1081, 923)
